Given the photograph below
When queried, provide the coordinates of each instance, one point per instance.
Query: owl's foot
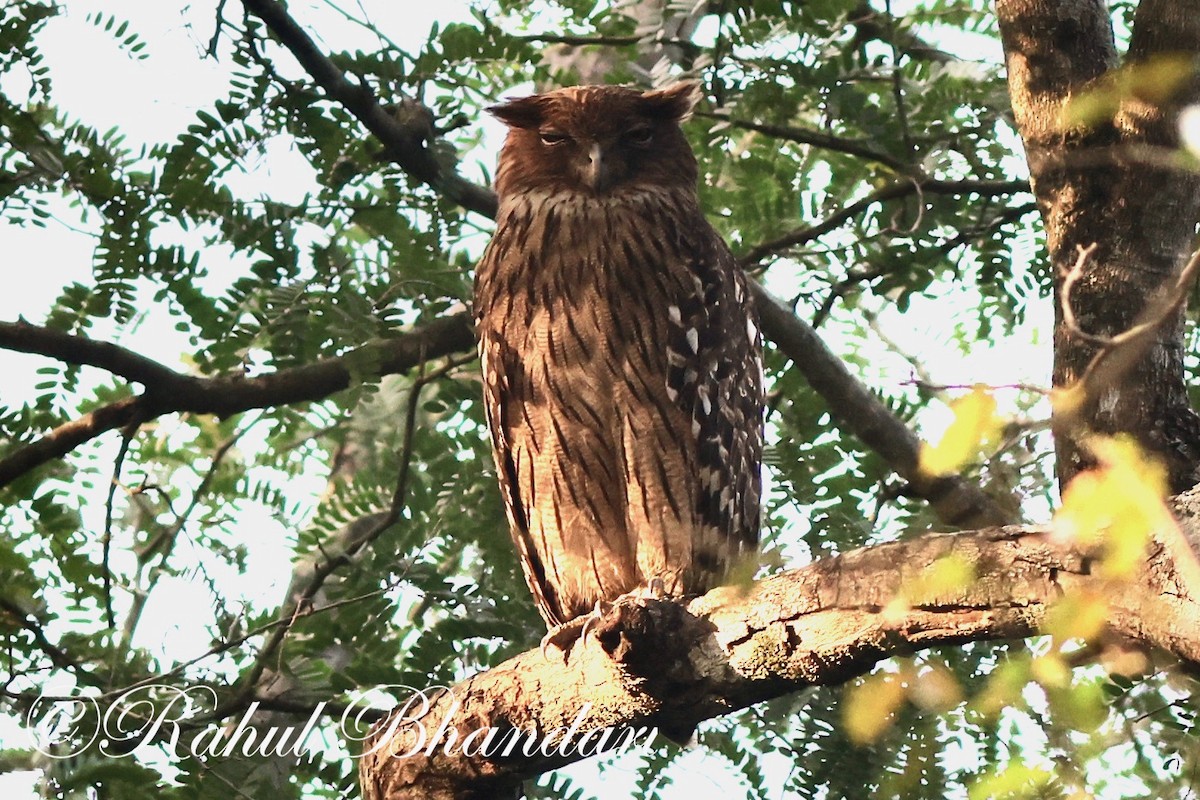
(563, 637)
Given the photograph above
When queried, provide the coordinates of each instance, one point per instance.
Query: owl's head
(597, 140)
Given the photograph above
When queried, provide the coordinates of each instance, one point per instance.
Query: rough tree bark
(665, 666)
(1110, 185)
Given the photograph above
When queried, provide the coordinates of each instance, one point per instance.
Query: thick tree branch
(658, 665)
(70, 349)
(168, 391)
(66, 437)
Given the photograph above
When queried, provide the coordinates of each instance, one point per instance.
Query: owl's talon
(590, 620)
(563, 637)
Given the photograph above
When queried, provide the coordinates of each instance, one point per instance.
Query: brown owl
(622, 362)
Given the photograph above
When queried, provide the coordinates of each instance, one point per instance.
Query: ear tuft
(675, 102)
(521, 112)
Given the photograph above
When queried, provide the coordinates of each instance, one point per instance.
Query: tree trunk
(1110, 185)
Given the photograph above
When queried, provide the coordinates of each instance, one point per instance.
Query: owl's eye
(640, 136)
(553, 137)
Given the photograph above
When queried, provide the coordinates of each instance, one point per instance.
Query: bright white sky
(154, 99)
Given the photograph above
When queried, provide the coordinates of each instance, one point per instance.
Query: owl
(621, 356)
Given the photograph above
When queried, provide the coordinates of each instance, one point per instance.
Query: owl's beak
(597, 175)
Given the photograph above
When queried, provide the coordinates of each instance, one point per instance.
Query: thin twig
(163, 542)
(127, 435)
(892, 191)
(1070, 278)
(921, 383)
(853, 278)
(406, 145)
(1117, 354)
(838, 144)
(58, 657)
(1121, 351)
(898, 82)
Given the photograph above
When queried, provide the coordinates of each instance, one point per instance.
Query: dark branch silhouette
(167, 391)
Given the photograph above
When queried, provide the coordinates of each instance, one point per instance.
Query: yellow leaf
(1017, 779)
(1078, 615)
(1116, 507)
(940, 582)
(1082, 706)
(1067, 400)
(870, 706)
(1124, 661)
(1051, 671)
(1004, 687)
(975, 425)
(948, 575)
(1189, 129)
(896, 609)
(1154, 81)
(936, 689)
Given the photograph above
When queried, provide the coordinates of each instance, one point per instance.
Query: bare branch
(406, 144)
(13, 613)
(1118, 354)
(607, 41)
(892, 191)
(127, 435)
(68, 348)
(170, 392)
(853, 147)
(853, 278)
(66, 437)
(955, 501)
(856, 277)
(1069, 279)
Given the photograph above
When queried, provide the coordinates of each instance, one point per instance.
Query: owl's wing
(502, 395)
(715, 376)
